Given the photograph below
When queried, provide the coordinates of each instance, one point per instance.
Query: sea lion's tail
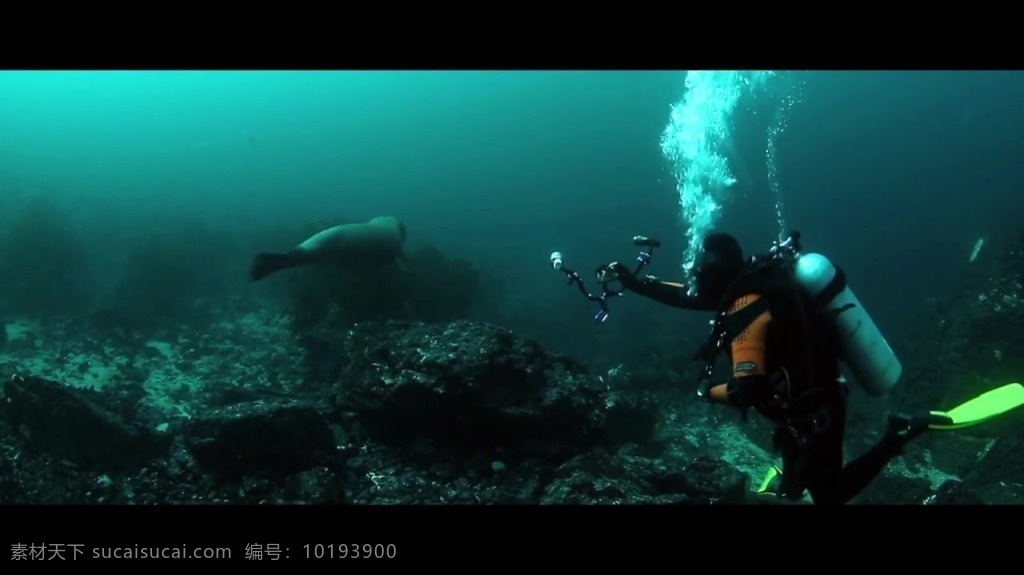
(268, 263)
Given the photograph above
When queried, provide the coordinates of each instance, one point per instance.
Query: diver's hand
(617, 271)
(704, 389)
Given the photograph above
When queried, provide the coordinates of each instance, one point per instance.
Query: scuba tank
(866, 353)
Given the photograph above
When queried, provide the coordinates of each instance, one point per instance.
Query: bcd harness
(803, 411)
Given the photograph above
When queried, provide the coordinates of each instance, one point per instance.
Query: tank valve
(556, 260)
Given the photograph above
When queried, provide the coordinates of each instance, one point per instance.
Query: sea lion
(375, 243)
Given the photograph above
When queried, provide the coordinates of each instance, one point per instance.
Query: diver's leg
(789, 482)
(823, 459)
(859, 473)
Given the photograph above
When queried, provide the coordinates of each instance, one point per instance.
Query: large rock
(602, 478)
(72, 424)
(271, 438)
(971, 342)
(471, 389)
(954, 492)
(895, 490)
(1001, 464)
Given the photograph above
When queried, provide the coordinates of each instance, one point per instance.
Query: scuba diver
(787, 320)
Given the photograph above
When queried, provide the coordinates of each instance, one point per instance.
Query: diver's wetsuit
(810, 440)
(770, 343)
(668, 293)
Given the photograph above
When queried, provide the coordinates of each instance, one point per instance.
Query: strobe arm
(603, 278)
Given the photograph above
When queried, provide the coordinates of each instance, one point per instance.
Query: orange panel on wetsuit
(748, 348)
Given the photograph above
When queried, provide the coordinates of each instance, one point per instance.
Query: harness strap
(735, 323)
(726, 329)
(834, 288)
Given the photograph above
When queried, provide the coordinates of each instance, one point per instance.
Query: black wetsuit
(785, 358)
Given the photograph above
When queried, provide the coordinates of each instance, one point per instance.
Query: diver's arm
(749, 386)
(668, 293)
(743, 391)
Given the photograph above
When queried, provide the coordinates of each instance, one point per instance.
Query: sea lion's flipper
(268, 263)
(402, 264)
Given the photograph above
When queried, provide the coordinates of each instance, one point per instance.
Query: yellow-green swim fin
(982, 408)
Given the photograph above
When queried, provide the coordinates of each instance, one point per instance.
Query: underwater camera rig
(787, 251)
(605, 276)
